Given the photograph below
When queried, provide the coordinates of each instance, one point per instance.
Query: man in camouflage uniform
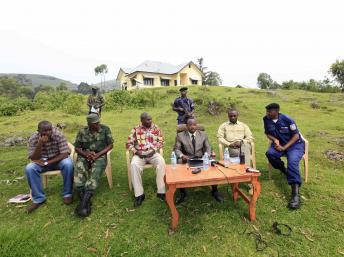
(95, 100)
(92, 143)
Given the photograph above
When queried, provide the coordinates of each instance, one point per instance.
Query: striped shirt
(57, 144)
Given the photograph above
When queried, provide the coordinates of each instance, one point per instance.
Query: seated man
(286, 140)
(144, 141)
(92, 143)
(48, 150)
(234, 133)
(193, 144)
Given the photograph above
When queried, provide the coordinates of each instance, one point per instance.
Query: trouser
(137, 165)
(33, 173)
(88, 176)
(294, 155)
(246, 149)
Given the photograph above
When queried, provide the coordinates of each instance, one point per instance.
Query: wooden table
(181, 177)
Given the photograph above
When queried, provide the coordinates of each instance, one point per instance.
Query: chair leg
(45, 181)
(108, 171)
(270, 170)
(254, 161)
(305, 161)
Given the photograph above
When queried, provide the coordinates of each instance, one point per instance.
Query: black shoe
(283, 170)
(85, 205)
(138, 200)
(161, 197)
(295, 200)
(218, 197)
(181, 197)
(81, 192)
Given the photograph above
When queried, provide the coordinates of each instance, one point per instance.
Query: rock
(334, 155)
(13, 141)
(315, 105)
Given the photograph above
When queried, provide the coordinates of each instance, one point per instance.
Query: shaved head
(44, 125)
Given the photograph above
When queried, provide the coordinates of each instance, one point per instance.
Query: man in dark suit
(193, 143)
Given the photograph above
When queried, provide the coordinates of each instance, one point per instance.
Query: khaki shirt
(228, 133)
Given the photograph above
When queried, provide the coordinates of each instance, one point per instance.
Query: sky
(67, 39)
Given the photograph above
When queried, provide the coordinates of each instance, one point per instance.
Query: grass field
(206, 228)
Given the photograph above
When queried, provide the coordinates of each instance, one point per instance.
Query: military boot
(295, 201)
(81, 192)
(85, 208)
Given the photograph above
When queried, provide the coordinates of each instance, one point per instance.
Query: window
(189, 66)
(133, 82)
(194, 82)
(175, 83)
(148, 81)
(165, 82)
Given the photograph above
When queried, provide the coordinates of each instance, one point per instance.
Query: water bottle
(226, 157)
(173, 160)
(205, 161)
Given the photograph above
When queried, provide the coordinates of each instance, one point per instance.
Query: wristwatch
(45, 163)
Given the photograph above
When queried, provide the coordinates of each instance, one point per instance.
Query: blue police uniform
(283, 130)
(185, 103)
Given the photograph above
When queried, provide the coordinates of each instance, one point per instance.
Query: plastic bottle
(226, 157)
(205, 161)
(173, 160)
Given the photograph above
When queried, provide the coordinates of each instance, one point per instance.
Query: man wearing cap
(48, 150)
(92, 143)
(95, 101)
(144, 142)
(184, 106)
(286, 140)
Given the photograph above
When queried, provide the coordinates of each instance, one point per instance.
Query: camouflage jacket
(95, 100)
(96, 142)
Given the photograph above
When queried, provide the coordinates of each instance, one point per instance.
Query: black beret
(272, 106)
(183, 89)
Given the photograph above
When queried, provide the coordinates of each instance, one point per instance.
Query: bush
(117, 99)
(8, 108)
(74, 104)
(50, 101)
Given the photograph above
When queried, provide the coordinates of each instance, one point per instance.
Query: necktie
(193, 142)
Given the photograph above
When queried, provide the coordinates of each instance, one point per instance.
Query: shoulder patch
(293, 127)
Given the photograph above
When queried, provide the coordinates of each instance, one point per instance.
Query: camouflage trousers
(88, 177)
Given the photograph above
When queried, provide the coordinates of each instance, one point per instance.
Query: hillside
(206, 228)
(35, 80)
(109, 85)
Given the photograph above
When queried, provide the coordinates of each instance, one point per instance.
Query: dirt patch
(334, 155)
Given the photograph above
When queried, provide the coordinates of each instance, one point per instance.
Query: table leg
(173, 209)
(235, 191)
(256, 191)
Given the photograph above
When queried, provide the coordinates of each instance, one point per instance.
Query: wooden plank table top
(182, 177)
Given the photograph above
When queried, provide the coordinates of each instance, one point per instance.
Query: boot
(182, 196)
(294, 202)
(81, 192)
(85, 208)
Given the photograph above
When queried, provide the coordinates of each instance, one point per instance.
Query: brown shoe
(34, 206)
(68, 200)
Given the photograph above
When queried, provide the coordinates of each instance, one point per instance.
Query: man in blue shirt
(184, 106)
(286, 140)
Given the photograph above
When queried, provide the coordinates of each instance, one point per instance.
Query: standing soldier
(95, 101)
(184, 106)
(92, 143)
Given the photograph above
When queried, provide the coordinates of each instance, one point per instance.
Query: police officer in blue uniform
(286, 140)
(184, 106)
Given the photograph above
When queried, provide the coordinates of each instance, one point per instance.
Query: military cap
(92, 118)
(183, 89)
(272, 106)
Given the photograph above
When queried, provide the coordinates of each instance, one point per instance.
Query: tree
(62, 87)
(337, 71)
(213, 79)
(265, 81)
(203, 69)
(84, 88)
(101, 70)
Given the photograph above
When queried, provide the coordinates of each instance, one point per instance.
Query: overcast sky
(239, 39)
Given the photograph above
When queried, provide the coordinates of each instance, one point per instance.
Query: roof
(157, 67)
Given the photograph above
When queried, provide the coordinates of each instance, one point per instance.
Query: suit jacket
(184, 146)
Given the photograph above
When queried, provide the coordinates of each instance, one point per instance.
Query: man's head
(146, 120)
(272, 111)
(93, 121)
(183, 91)
(45, 128)
(94, 90)
(233, 115)
(191, 125)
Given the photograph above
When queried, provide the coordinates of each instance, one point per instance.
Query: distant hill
(109, 85)
(35, 80)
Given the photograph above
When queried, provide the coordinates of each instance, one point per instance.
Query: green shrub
(50, 101)
(8, 108)
(117, 99)
(75, 104)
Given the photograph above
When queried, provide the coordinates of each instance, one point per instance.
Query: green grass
(206, 228)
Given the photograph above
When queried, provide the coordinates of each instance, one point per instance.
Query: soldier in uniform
(184, 106)
(92, 143)
(286, 140)
(95, 100)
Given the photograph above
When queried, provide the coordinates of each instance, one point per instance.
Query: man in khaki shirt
(233, 133)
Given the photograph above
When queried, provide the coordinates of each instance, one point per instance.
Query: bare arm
(294, 139)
